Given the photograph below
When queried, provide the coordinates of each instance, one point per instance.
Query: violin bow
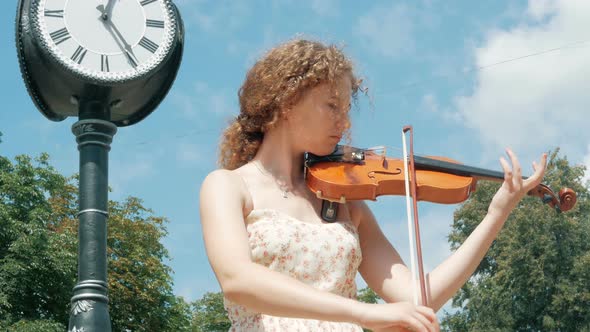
(411, 185)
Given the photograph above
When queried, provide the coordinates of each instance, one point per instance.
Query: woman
(280, 266)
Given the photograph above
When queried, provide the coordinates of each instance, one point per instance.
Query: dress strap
(248, 200)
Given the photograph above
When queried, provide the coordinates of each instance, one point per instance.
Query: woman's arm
(245, 282)
(386, 273)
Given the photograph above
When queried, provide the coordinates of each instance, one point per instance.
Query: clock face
(107, 40)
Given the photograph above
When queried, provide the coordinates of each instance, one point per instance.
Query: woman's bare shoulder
(220, 178)
(225, 186)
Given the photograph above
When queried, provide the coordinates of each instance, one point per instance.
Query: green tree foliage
(38, 325)
(367, 295)
(140, 285)
(38, 255)
(536, 275)
(209, 314)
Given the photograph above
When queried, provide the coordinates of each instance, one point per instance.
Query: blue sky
(471, 77)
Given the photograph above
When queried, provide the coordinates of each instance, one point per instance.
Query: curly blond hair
(276, 82)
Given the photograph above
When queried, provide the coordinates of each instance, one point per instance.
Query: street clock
(124, 53)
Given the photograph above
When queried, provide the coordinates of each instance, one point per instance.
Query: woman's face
(319, 119)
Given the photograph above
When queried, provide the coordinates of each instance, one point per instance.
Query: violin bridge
(379, 150)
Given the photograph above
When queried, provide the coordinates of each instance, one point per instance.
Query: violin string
(386, 148)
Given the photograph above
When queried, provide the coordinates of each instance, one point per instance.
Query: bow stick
(411, 185)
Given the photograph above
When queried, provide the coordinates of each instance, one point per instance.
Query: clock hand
(107, 20)
(106, 13)
(121, 42)
(126, 45)
(109, 9)
(103, 14)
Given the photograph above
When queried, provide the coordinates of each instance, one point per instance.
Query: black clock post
(94, 134)
(113, 78)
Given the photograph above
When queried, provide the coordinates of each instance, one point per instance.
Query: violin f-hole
(397, 171)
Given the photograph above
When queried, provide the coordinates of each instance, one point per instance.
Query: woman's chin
(324, 150)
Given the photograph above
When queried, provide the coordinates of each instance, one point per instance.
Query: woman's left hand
(514, 187)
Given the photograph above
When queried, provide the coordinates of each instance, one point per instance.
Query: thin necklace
(265, 172)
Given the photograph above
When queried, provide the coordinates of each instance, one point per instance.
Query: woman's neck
(278, 157)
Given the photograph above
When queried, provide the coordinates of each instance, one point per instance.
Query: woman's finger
(436, 326)
(414, 324)
(425, 321)
(536, 178)
(507, 174)
(516, 169)
(428, 312)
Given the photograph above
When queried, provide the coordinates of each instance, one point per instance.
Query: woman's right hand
(399, 316)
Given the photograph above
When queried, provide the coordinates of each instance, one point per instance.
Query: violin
(351, 173)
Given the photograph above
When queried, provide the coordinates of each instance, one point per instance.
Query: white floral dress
(325, 256)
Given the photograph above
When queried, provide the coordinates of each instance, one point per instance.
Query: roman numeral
(131, 59)
(147, 2)
(60, 35)
(104, 63)
(78, 56)
(154, 23)
(54, 13)
(148, 44)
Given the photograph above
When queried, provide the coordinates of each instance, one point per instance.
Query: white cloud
(434, 227)
(387, 30)
(186, 293)
(325, 7)
(189, 154)
(205, 22)
(183, 103)
(203, 99)
(223, 17)
(537, 102)
(429, 103)
(219, 104)
(539, 9)
(127, 168)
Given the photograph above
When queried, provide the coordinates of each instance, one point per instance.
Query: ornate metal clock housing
(123, 52)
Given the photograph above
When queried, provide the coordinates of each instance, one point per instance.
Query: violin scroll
(564, 201)
(567, 198)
